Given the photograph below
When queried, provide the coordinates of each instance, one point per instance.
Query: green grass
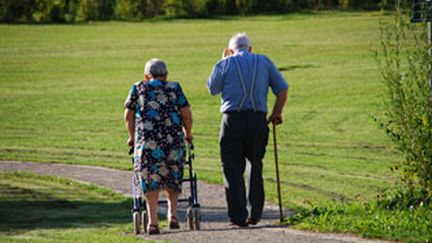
(369, 220)
(36, 208)
(62, 89)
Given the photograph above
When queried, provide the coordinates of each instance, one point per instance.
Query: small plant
(405, 65)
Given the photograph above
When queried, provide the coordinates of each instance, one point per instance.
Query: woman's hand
(188, 136)
(186, 115)
(130, 141)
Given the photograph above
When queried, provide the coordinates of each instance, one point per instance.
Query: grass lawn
(36, 208)
(62, 89)
(369, 220)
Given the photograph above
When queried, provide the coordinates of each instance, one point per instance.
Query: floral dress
(159, 140)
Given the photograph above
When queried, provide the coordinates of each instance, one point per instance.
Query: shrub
(185, 8)
(96, 9)
(16, 10)
(55, 10)
(405, 66)
(129, 9)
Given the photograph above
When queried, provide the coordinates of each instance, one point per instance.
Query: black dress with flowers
(159, 140)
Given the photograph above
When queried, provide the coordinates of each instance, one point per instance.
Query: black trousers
(243, 137)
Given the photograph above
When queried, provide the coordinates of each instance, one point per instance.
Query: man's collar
(242, 51)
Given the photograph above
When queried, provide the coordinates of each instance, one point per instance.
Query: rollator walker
(193, 213)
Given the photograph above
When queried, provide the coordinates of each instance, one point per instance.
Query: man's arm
(129, 119)
(186, 116)
(276, 116)
(215, 81)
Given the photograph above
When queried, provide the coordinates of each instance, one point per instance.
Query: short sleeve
(277, 81)
(215, 81)
(181, 98)
(131, 100)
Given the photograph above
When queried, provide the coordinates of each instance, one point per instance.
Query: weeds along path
(214, 222)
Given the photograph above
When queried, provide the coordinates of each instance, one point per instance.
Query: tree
(96, 9)
(16, 10)
(186, 8)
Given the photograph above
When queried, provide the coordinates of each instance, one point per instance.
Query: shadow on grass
(24, 208)
(294, 67)
(20, 215)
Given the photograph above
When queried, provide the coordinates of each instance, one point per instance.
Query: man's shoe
(252, 221)
(238, 225)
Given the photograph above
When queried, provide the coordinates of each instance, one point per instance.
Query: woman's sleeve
(181, 98)
(131, 100)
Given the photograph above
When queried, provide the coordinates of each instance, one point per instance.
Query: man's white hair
(238, 41)
(155, 68)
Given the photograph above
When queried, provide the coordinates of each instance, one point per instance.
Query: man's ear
(231, 51)
(250, 49)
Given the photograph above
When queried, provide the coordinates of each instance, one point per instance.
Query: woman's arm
(186, 115)
(129, 119)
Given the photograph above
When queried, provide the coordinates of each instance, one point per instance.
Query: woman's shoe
(173, 223)
(153, 229)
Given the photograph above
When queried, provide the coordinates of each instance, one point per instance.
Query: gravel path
(214, 222)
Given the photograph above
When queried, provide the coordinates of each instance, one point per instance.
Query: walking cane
(277, 173)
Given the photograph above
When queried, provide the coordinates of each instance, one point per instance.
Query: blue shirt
(244, 79)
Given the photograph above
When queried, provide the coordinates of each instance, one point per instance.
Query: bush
(96, 9)
(55, 10)
(405, 66)
(16, 10)
(185, 8)
(129, 9)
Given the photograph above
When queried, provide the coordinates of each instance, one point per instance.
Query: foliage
(402, 199)
(130, 9)
(96, 9)
(90, 10)
(16, 10)
(405, 66)
(185, 8)
(55, 10)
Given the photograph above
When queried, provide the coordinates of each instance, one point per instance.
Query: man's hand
(226, 53)
(275, 119)
(276, 116)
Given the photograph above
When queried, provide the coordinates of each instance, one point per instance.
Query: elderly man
(243, 79)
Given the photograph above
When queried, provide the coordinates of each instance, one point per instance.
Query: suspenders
(242, 80)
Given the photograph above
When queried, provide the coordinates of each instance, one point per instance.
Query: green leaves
(405, 67)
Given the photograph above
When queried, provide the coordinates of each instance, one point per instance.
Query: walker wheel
(136, 218)
(193, 218)
(144, 220)
(196, 217)
(190, 218)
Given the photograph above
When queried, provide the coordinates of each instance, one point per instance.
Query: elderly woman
(159, 120)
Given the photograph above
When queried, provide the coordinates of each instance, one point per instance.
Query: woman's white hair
(238, 41)
(155, 68)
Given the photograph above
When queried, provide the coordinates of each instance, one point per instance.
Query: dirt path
(214, 222)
